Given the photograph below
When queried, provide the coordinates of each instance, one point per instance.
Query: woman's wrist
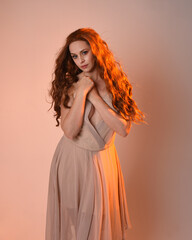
(81, 92)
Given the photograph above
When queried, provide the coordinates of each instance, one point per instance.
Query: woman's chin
(86, 70)
(89, 70)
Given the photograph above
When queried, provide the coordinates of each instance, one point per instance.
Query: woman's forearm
(73, 121)
(113, 120)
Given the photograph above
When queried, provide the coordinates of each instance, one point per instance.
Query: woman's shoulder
(80, 75)
(75, 85)
(72, 90)
(70, 94)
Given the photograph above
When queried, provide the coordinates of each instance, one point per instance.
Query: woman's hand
(85, 84)
(72, 119)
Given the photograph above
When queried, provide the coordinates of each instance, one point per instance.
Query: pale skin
(90, 86)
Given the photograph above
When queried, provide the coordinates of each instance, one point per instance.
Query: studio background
(152, 40)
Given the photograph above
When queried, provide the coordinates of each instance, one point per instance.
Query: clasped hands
(88, 86)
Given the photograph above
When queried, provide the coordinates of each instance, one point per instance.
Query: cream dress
(86, 194)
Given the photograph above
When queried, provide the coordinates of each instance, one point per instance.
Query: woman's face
(82, 55)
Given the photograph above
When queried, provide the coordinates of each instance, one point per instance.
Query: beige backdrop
(152, 40)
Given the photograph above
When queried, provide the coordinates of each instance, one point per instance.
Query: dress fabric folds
(86, 194)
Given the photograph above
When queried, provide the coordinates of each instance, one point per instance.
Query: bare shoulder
(80, 75)
(76, 84)
(71, 92)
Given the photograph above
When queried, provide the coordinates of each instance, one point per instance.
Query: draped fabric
(86, 193)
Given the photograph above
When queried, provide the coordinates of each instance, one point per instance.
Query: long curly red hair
(117, 83)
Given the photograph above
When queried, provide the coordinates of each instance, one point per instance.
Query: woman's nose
(81, 59)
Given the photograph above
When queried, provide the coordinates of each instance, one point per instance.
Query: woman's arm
(113, 120)
(72, 118)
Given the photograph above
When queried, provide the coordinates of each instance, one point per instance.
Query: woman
(92, 98)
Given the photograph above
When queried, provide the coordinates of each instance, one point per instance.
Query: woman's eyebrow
(81, 50)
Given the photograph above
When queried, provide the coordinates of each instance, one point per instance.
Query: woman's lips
(84, 66)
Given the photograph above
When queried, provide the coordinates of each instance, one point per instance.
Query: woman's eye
(74, 56)
(84, 52)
